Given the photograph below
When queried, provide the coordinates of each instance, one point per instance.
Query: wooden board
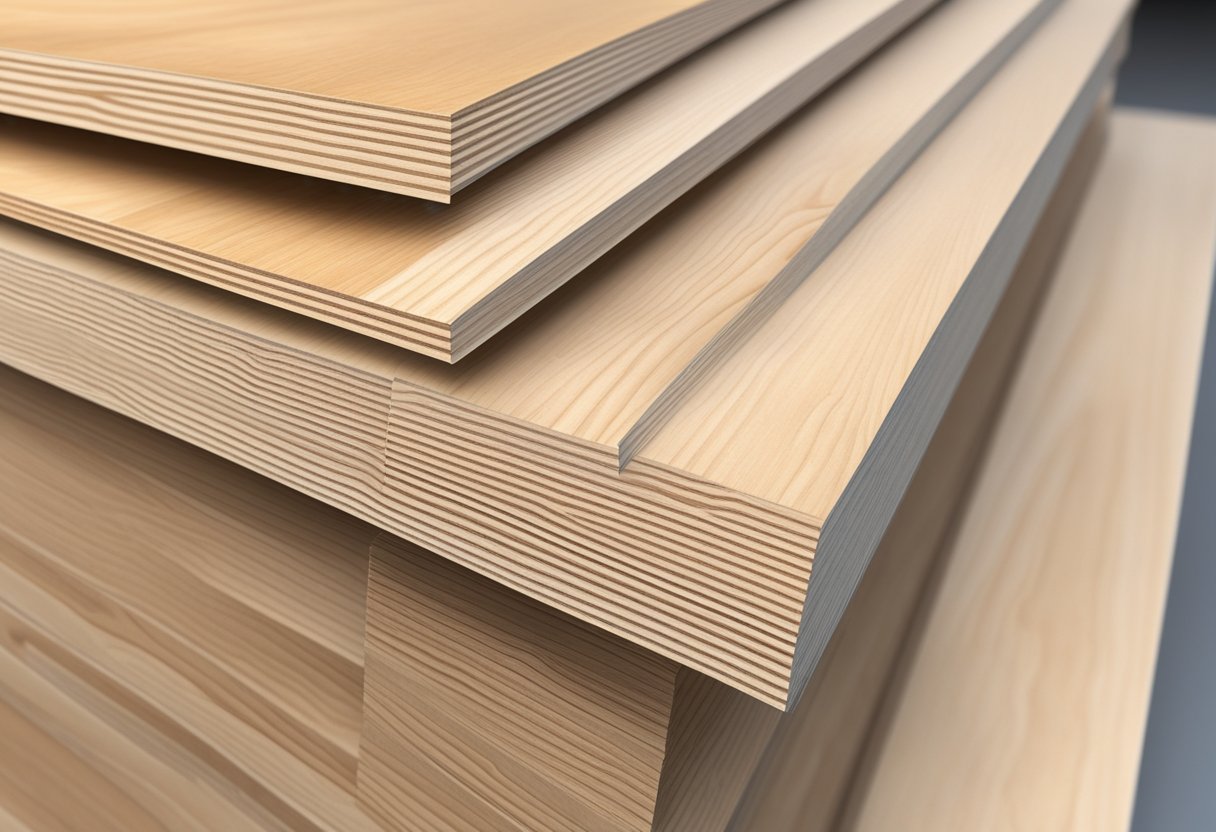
(511, 465)
(443, 281)
(806, 776)
(1025, 694)
(412, 97)
(204, 648)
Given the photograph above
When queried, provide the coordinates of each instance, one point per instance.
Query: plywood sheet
(1025, 696)
(443, 281)
(200, 647)
(530, 490)
(412, 97)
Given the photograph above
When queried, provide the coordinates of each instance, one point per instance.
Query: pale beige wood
(808, 769)
(866, 353)
(413, 97)
(441, 282)
(1046, 620)
(488, 710)
(215, 622)
(704, 573)
(212, 618)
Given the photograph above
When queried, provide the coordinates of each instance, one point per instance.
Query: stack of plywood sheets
(602, 497)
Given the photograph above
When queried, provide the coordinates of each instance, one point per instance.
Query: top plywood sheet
(402, 95)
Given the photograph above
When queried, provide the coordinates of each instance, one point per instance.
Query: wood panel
(196, 618)
(806, 776)
(417, 98)
(1025, 695)
(442, 282)
(677, 551)
(164, 609)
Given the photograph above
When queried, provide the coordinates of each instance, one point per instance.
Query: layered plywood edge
(700, 547)
(441, 282)
(1070, 530)
(414, 98)
(203, 648)
(248, 658)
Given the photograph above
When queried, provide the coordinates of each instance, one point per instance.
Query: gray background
(1172, 65)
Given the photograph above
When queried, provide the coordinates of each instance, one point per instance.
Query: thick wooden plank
(441, 282)
(705, 568)
(413, 97)
(1025, 694)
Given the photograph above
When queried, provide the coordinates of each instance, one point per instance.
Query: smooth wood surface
(685, 561)
(807, 774)
(1025, 695)
(443, 281)
(413, 97)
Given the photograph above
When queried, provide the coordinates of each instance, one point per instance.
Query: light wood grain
(488, 710)
(195, 617)
(1047, 617)
(210, 618)
(443, 281)
(807, 774)
(865, 355)
(412, 97)
(705, 569)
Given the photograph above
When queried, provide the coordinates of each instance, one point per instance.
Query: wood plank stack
(691, 470)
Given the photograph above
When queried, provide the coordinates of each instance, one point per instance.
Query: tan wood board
(190, 649)
(524, 489)
(1025, 695)
(413, 97)
(806, 777)
(441, 281)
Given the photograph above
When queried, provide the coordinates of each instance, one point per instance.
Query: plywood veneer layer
(443, 281)
(1025, 694)
(512, 466)
(412, 97)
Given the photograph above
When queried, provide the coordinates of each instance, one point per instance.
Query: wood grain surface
(806, 777)
(443, 281)
(484, 706)
(200, 647)
(1024, 697)
(413, 97)
(186, 636)
(675, 551)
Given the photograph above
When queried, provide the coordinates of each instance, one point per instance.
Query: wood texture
(412, 97)
(203, 648)
(806, 776)
(487, 710)
(1025, 696)
(511, 466)
(443, 281)
(187, 636)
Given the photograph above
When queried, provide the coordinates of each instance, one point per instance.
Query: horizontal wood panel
(430, 93)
